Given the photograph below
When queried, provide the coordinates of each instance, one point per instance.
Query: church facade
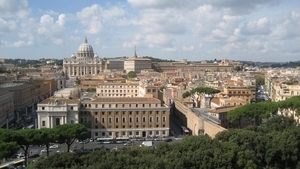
(84, 63)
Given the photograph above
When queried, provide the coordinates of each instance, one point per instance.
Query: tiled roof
(127, 99)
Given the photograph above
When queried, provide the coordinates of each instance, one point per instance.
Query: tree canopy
(265, 146)
(197, 92)
(131, 74)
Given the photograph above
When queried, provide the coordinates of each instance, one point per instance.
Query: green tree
(198, 92)
(7, 146)
(68, 133)
(260, 81)
(46, 136)
(131, 74)
(24, 138)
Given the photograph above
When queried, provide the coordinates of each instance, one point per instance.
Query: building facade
(84, 63)
(125, 117)
(62, 108)
(6, 107)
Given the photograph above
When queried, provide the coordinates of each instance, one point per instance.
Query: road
(91, 146)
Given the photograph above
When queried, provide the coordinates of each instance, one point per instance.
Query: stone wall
(196, 124)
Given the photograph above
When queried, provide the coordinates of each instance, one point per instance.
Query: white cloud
(7, 26)
(52, 29)
(95, 16)
(14, 8)
(188, 48)
(260, 27)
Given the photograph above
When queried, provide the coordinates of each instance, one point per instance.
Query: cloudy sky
(254, 30)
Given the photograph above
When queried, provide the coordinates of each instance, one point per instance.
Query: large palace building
(85, 63)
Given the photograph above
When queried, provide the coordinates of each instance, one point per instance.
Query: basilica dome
(85, 49)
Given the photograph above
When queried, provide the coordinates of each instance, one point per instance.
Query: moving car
(34, 155)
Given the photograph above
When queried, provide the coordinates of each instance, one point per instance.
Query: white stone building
(85, 63)
(62, 108)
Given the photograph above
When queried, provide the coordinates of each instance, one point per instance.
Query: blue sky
(256, 30)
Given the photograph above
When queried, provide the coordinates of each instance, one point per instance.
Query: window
(109, 106)
(43, 108)
(71, 107)
(117, 113)
(96, 134)
(130, 119)
(150, 112)
(164, 132)
(109, 120)
(123, 127)
(96, 113)
(81, 120)
(117, 120)
(103, 133)
(157, 132)
(117, 126)
(157, 112)
(153, 90)
(109, 133)
(150, 119)
(103, 120)
(96, 120)
(136, 105)
(143, 105)
(137, 119)
(96, 105)
(43, 123)
(149, 105)
(102, 113)
(157, 119)
(137, 133)
(150, 132)
(123, 133)
(164, 119)
(130, 133)
(144, 119)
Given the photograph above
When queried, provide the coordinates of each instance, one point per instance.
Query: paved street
(91, 145)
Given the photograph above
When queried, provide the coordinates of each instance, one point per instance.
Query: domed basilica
(85, 63)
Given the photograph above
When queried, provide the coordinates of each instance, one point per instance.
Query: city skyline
(264, 30)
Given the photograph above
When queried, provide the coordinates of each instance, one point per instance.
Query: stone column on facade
(49, 125)
(52, 124)
(38, 122)
(69, 70)
(66, 120)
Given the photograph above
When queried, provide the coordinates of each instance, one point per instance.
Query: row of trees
(275, 144)
(11, 141)
(263, 110)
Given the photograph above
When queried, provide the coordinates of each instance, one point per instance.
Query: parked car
(128, 144)
(168, 140)
(34, 155)
(55, 146)
(44, 151)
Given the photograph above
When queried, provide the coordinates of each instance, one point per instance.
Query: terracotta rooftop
(127, 99)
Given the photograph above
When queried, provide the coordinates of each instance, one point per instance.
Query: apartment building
(247, 93)
(6, 107)
(125, 117)
(117, 90)
(24, 94)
